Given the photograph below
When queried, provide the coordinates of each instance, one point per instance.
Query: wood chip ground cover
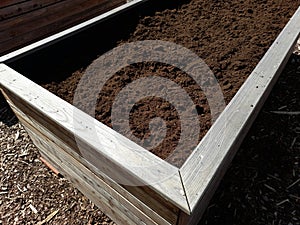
(261, 186)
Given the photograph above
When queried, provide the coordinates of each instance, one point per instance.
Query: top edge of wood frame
(198, 173)
(204, 168)
(121, 158)
(66, 33)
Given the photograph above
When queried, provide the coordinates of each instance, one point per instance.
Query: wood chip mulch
(261, 186)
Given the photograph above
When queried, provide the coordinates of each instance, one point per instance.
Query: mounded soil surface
(230, 36)
(263, 182)
(260, 187)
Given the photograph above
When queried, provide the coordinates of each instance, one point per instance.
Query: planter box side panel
(59, 143)
(204, 169)
(122, 207)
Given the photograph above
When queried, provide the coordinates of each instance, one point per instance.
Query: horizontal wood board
(148, 202)
(139, 166)
(205, 167)
(30, 48)
(203, 170)
(15, 9)
(26, 22)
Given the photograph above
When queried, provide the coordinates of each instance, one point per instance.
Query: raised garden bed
(231, 39)
(24, 22)
(182, 193)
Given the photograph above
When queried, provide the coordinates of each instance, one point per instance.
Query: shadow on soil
(58, 60)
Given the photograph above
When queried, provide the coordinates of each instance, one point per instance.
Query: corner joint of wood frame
(185, 194)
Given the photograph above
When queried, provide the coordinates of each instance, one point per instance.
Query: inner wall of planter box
(224, 41)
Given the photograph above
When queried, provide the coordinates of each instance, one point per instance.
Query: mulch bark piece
(262, 184)
(26, 185)
(260, 187)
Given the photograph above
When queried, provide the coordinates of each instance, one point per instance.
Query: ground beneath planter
(263, 182)
(230, 36)
(261, 186)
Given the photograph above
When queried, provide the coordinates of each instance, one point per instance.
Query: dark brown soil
(261, 186)
(263, 182)
(230, 36)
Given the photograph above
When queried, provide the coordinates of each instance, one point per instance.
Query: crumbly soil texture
(263, 181)
(230, 36)
(260, 187)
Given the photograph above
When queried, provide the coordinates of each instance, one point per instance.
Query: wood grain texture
(51, 25)
(31, 47)
(47, 15)
(112, 203)
(50, 121)
(24, 7)
(6, 3)
(111, 153)
(204, 169)
(149, 202)
(39, 21)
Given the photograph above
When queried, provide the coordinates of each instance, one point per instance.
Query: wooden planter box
(183, 193)
(24, 22)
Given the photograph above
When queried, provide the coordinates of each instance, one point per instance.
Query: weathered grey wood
(50, 122)
(203, 170)
(141, 166)
(105, 196)
(153, 206)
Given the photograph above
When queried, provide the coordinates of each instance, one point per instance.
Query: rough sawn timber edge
(199, 176)
(51, 115)
(68, 32)
(203, 170)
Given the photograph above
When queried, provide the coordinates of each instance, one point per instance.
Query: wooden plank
(148, 197)
(203, 170)
(68, 32)
(24, 7)
(6, 3)
(38, 24)
(55, 26)
(113, 204)
(157, 203)
(27, 23)
(119, 157)
(46, 15)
